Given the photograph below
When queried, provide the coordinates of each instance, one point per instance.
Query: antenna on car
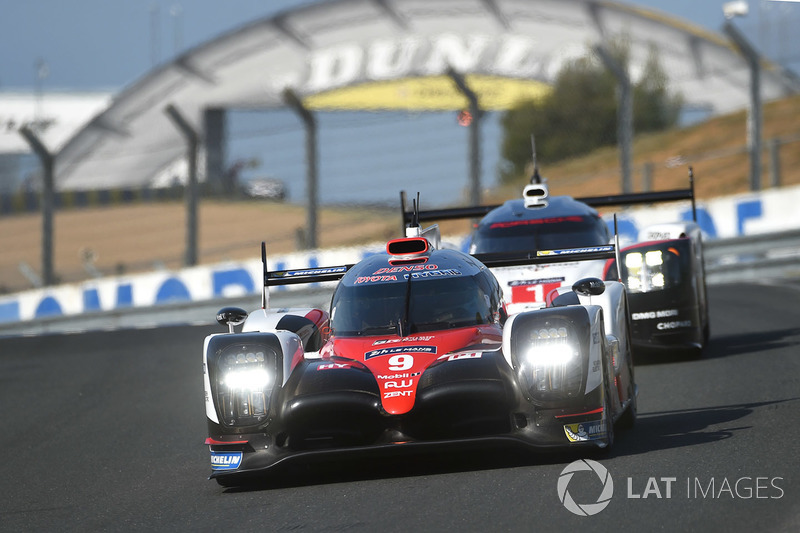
(535, 178)
(413, 229)
(691, 186)
(416, 210)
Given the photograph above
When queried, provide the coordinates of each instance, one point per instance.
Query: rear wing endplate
(296, 276)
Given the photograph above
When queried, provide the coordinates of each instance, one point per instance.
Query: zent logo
(586, 509)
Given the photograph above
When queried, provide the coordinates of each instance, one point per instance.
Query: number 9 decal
(401, 362)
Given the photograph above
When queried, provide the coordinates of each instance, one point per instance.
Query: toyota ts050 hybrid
(417, 352)
(663, 270)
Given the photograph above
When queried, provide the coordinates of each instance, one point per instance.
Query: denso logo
(410, 268)
(226, 461)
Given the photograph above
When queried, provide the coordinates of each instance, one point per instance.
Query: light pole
(753, 59)
(42, 71)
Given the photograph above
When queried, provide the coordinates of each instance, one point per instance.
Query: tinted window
(540, 234)
(434, 304)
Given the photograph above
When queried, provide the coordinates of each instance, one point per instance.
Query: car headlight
(244, 379)
(551, 364)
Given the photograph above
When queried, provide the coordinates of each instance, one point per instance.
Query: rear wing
(334, 273)
(296, 276)
(589, 253)
(480, 211)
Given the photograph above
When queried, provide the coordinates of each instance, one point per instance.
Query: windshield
(433, 304)
(540, 234)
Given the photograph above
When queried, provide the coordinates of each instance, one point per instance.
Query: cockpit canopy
(383, 297)
(564, 223)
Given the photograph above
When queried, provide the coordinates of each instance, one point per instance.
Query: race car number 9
(401, 362)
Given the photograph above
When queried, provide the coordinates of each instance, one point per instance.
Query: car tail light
(644, 271)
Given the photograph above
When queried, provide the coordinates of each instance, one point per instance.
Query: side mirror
(589, 287)
(231, 316)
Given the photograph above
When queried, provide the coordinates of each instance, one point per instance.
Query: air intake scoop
(407, 247)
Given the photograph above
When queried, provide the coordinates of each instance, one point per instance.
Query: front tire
(607, 408)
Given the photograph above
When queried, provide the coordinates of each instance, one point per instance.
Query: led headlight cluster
(551, 363)
(244, 379)
(645, 272)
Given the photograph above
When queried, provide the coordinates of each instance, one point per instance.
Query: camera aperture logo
(585, 509)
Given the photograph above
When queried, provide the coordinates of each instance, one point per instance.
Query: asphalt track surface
(104, 432)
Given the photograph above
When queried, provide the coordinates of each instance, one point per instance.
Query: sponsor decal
(334, 366)
(399, 349)
(571, 251)
(419, 338)
(313, 272)
(658, 236)
(407, 268)
(464, 355)
(535, 290)
(401, 384)
(524, 282)
(399, 376)
(585, 431)
(662, 326)
(373, 279)
(647, 315)
(433, 274)
(397, 394)
(226, 460)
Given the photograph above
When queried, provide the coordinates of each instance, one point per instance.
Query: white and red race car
(417, 352)
(663, 271)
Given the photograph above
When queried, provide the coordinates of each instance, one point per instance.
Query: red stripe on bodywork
(596, 411)
(214, 441)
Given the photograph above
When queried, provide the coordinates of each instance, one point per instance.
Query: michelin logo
(570, 251)
(226, 460)
(585, 431)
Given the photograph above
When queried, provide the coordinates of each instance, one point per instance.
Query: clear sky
(108, 44)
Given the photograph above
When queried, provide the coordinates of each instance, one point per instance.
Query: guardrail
(183, 313)
(755, 257)
(765, 256)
